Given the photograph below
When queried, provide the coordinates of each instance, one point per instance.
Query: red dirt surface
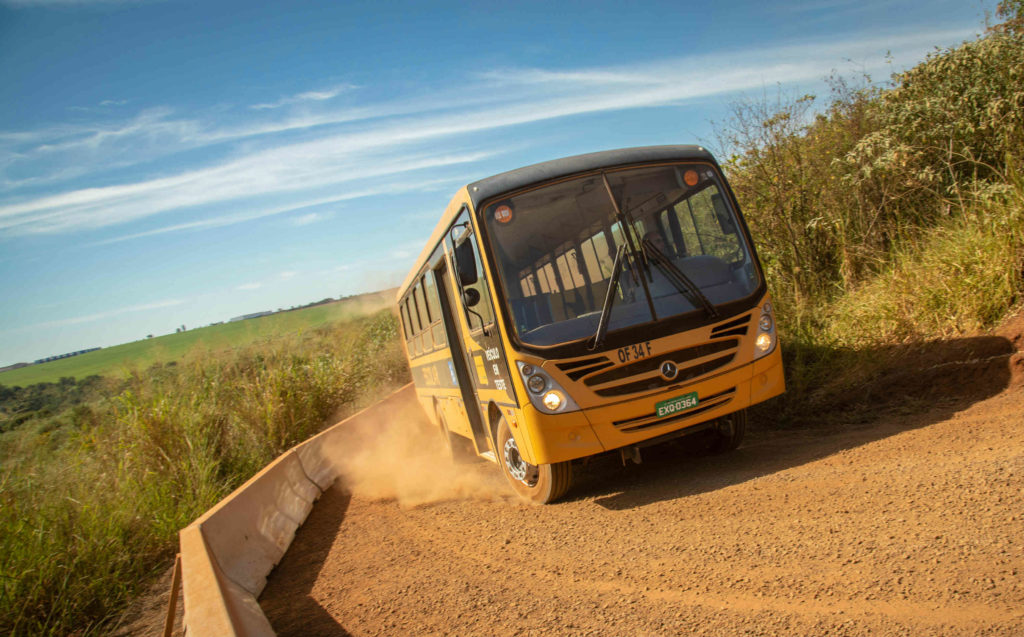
(912, 524)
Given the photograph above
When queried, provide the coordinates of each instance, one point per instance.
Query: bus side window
(434, 307)
(424, 314)
(406, 326)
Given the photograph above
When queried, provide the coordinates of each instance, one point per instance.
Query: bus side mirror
(465, 262)
(470, 296)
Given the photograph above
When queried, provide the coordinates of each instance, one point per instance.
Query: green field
(121, 359)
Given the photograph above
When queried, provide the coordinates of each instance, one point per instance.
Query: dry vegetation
(891, 214)
(91, 499)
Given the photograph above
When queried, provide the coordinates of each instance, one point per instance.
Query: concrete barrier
(227, 553)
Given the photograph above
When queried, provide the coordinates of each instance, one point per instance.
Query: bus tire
(540, 484)
(730, 431)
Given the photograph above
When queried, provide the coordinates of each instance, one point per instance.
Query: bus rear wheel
(729, 432)
(539, 484)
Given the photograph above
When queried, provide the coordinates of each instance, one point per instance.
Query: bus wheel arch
(459, 449)
(539, 484)
(494, 417)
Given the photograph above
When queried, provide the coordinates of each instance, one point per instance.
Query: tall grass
(894, 214)
(959, 277)
(90, 509)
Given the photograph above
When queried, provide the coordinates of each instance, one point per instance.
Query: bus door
(459, 357)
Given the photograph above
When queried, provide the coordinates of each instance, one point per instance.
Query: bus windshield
(555, 247)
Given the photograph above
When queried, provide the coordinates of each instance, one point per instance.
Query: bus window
(433, 303)
(706, 228)
(551, 221)
(405, 320)
(415, 310)
(434, 308)
(424, 310)
(424, 314)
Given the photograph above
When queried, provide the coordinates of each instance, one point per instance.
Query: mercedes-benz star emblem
(669, 370)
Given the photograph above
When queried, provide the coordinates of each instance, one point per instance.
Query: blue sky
(184, 162)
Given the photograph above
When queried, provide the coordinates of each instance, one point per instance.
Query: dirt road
(910, 525)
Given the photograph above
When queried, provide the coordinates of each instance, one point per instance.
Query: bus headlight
(552, 400)
(536, 383)
(766, 340)
(544, 392)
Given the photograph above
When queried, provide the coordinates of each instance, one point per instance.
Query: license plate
(676, 405)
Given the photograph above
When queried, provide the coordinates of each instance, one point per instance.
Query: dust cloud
(403, 458)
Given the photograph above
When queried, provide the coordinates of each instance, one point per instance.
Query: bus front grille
(657, 382)
(607, 379)
(643, 375)
(646, 421)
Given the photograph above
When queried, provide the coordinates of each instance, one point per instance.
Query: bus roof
(544, 171)
(483, 189)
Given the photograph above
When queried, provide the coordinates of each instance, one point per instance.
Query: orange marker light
(691, 178)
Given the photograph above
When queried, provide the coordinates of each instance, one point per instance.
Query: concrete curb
(227, 553)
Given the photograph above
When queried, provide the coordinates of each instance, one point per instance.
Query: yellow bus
(600, 302)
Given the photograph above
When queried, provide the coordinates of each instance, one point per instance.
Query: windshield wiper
(638, 261)
(609, 299)
(684, 283)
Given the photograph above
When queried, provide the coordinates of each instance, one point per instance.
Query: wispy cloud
(243, 217)
(255, 285)
(110, 313)
(308, 96)
(391, 139)
(288, 169)
(307, 219)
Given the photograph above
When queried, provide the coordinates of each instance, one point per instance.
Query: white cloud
(391, 139)
(287, 169)
(308, 96)
(313, 217)
(111, 313)
(406, 250)
(255, 285)
(242, 217)
(287, 274)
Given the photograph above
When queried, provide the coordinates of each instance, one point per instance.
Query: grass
(91, 499)
(957, 278)
(121, 360)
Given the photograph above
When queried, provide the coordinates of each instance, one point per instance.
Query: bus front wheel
(540, 484)
(729, 432)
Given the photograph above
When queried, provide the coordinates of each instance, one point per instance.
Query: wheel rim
(518, 468)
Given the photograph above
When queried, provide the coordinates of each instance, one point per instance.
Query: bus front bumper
(595, 430)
